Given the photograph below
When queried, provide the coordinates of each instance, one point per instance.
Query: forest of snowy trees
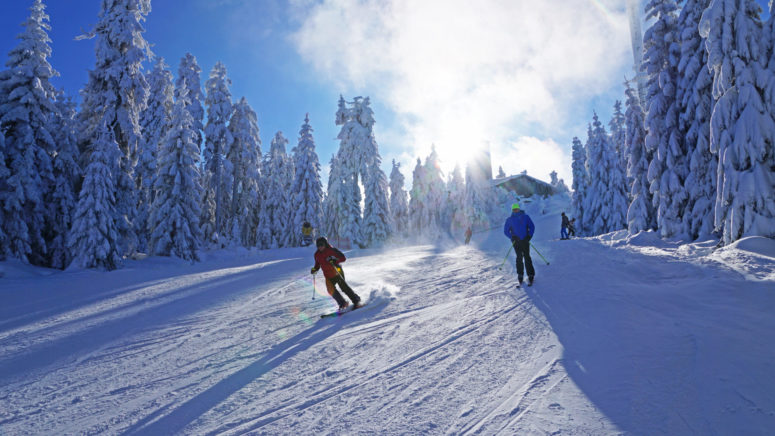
(150, 163)
(693, 155)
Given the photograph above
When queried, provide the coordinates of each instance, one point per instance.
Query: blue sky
(524, 76)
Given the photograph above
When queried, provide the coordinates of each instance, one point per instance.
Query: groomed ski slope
(643, 339)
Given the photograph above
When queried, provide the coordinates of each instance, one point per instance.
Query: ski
(349, 308)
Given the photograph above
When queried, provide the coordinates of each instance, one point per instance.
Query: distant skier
(572, 227)
(306, 234)
(520, 228)
(468, 235)
(565, 225)
(328, 259)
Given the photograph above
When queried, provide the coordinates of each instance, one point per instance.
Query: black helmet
(322, 242)
(306, 223)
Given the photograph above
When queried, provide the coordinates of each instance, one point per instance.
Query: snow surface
(619, 335)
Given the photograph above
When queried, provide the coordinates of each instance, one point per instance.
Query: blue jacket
(520, 225)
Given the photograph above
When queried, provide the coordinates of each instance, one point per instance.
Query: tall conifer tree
(26, 104)
(116, 94)
(742, 125)
(307, 190)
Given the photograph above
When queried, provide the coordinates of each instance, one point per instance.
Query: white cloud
(459, 72)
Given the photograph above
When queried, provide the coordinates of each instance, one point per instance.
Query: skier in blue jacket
(520, 228)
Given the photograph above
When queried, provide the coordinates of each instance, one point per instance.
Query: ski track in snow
(612, 339)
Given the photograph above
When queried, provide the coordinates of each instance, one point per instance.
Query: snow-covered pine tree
(695, 99)
(606, 204)
(351, 164)
(94, 238)
(435, 195)
(62, 200)
(580, 182)
(174, 218)
(4, 193)
(618, 127)
(478, 199)
(278, 176)
(667, 170)
(218, 143)
(189, 73)
(559, 184)
(417, 197)
(245, 158)
(742, 126)
(501, 173)
(399, 207)
(376, 226)
(306, 190)
(116, 93)
(26, 103)
(332, 214)
(455, 206)
(596, 166)
(155, 122)
(640, 214)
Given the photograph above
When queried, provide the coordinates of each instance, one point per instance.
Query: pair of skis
(347, 309)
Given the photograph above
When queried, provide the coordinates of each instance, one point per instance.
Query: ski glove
(332, 260)
(313, 270)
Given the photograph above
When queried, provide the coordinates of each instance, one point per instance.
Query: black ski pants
(332, 291)
(522, 248)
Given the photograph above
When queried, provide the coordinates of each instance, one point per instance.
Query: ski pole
(314, 289)
(539, 253)
(507, 255)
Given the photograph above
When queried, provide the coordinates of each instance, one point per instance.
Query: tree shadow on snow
(175, 421)
(661, 346)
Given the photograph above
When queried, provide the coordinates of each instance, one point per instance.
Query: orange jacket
(322, 261)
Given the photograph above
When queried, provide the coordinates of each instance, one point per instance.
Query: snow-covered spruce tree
(618, 127)
(175, 211)
(399, 207)
(695, 99)
(417, 198)
(155, 122)
(189, 74)
(595, 146)
(116, 93)
(26, 103)
(375, 228)
(435, 195)
(245, 158)
(559, 184)
(478, 199)
(306, 190)
(218, 143)
(94, 238)
(580, 182)
(742, 126)
(606, 205)
(62, 200)
(278, 176)
(376, 211)
(667, 168)
(332, 214)
(640, 214)
(455, 205)
(4, 192)
(352, 165)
